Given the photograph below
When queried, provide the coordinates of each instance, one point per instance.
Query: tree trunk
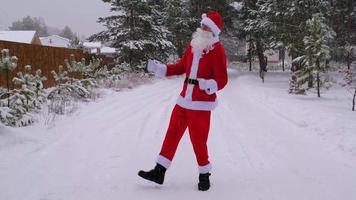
(353, 101)
(349, 31)
(250, 59)
(283, 58)
(8, 88)
(318, 83)
(261, 58)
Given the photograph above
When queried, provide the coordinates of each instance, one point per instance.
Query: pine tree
(67, 33)
(31, 23)
(136, 31)
(179, 24)
(7, 64)
(256, 29)
(317, 51)
(67, 87)
(25, 95)
(76, 43)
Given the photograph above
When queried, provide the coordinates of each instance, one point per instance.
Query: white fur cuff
(161, 70)
(163, 161)
(205, 169)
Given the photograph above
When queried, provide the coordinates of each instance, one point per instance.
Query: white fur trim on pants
(163, 161)
(196, 105)
(205, 169)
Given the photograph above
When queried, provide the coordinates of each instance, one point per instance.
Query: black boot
(155, 175)
(204, 182)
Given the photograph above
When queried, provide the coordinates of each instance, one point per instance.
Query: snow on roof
(57, 37)
(91, 45)
(55, 41)
(18, 36)
(104, 50)
(107, 50)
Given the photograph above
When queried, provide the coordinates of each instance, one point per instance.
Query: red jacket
(212, 66)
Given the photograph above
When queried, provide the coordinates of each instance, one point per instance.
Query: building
(55, 41)
(28, 37)
(98, 48)
(92, 47)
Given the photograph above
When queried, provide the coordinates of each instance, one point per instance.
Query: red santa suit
(206, 73)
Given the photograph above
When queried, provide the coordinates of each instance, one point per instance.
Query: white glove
(151, 66)
(157, 68)
(208, 85)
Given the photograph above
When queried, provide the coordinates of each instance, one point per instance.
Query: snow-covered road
(263, 145)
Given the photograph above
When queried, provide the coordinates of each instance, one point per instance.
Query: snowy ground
(264, 144)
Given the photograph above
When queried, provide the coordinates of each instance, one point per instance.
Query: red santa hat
(213, 20)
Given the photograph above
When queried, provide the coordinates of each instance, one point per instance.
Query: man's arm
(180, 67)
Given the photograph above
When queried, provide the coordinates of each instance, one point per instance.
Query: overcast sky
(80, 15)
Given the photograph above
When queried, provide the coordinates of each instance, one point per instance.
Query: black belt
(191, 81)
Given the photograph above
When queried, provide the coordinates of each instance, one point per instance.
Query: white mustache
(201, 40)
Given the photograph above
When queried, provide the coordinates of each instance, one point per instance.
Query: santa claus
(204, 63)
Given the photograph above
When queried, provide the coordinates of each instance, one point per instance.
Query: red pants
(198, 123)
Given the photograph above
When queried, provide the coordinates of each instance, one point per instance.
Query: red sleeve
(180, 67)
(220, 68)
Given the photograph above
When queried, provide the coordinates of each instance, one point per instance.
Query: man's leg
(199, 125)
(175, 131)
(177, 126)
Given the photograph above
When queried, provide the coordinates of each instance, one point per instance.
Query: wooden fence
(39, 57)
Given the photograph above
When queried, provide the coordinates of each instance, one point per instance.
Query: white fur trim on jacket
(161, 70)
(211, 24)
(163, 161)
(196, 105)
(205, 169)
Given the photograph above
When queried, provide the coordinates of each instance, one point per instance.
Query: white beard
(202, 40)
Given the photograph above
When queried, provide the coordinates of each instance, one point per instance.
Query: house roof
(107, 50)
(91, 45)
(55, 40)
(18, 36)
(103, 50)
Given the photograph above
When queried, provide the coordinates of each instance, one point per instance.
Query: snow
(107, 50)
(104, 50)
(18, 36)
(55, 41)
(91, 45)
(237, 5)
(264, 144)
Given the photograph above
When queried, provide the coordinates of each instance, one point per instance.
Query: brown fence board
(39, 57)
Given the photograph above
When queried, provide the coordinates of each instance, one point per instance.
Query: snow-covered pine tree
(24, 96)
(317, 51)
(350, 83)
(289, 22)
(86, 72)
(6, 117)
(349, 76)
(257, 29)
(65, 92)
(179, 24)
(135, 31)
(23, 100)
(76, 43)
(7, 64)
(41, 96)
